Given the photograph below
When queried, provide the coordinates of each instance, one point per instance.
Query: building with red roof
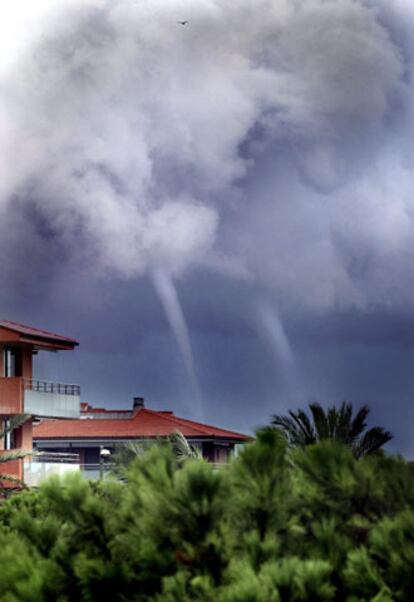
(15, 333)
(99, 428)
(69, 432)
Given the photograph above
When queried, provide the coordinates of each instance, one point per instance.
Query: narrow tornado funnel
(167, 294)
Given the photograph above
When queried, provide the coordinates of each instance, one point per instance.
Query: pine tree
(277, 524)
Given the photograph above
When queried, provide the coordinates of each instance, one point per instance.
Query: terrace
(19, 395)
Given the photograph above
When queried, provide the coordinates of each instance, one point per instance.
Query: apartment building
(68, 434)
(99, 428)
(21, 393)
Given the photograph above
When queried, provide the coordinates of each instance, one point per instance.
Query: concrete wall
(11, 395)
(52, 405)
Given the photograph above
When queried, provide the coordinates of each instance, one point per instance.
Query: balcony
(40, 467)
(54, 400)
(39, 398)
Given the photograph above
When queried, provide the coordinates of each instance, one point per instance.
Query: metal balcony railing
(42, 386)
(55, 458)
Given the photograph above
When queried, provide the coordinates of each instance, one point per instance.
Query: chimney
(138, 403)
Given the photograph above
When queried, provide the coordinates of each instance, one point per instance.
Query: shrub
(274, 525)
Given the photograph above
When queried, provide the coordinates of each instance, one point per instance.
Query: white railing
(55, 457)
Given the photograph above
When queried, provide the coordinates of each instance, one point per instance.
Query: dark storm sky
(221, 213)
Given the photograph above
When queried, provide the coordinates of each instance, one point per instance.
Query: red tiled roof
(91, 410)
(145, 423)
(36, 332)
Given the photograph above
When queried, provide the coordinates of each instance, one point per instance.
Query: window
(9, 362)
(9, 438)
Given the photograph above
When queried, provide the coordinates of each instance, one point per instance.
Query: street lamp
(103, 454)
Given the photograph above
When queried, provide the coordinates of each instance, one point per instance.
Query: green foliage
(125, 454)
(275, 525)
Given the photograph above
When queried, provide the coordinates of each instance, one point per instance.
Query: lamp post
(103, 454)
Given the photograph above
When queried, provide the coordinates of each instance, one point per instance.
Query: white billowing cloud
(351, 247)
(128, 134)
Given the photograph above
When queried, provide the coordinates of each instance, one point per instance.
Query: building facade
(99, 428)
(22, 394)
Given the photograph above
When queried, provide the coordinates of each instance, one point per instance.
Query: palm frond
(332, 417)
(14, 423)
(182, 449)
(320, 420)
(372, 441)
(287, 426)
(16, 454)
(135, 448)
(124, 454)
(9, 478)
(343, 418)
(305, 426)
(283, 422)
(359, 423)
(333, 423)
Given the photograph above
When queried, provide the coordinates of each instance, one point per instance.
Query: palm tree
(182, 449)
(127, 452)
(333, 423)
(124, 454)
(13, 454)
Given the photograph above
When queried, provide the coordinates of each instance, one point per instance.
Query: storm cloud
(255, 165)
